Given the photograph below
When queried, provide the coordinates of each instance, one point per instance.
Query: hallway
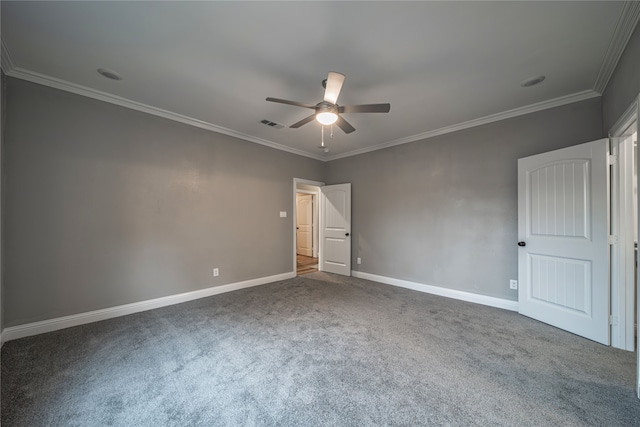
(306, 265)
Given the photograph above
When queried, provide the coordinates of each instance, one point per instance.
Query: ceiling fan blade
(367, 108)
(345, 125)
(297, 104)
(333, 87)
(303, 121)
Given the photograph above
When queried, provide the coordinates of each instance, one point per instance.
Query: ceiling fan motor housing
(326, 107)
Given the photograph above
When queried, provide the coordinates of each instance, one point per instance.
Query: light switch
(283, 214)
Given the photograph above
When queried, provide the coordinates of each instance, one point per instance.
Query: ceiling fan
(328, 112)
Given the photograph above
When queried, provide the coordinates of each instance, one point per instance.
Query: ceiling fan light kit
(326, 114)
(328, 111)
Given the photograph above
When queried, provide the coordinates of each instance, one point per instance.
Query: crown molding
(17, 72)
(624, 29)
(521, 111)
(11, 70)
(55, 83)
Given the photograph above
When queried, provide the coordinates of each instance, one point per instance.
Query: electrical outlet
(359, 260)
(216, 272)
(513, 284)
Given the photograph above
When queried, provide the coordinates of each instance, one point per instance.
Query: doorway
(332, 225)
(625, 286)
(306, 214)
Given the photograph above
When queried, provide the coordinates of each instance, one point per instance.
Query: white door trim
(622, 252)
(622, 249)
(297, 181)
(616, 130)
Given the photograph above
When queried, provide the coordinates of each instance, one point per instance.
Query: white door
(304, 224)
(563, 258)
(335, 254)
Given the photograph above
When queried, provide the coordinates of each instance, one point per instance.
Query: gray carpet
(317, 350)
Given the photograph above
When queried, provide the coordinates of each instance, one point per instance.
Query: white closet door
(563, 259)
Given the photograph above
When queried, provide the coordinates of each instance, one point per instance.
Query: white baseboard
(443, 292)
(29, 329)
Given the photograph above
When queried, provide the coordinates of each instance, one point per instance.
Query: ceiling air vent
(272, 124)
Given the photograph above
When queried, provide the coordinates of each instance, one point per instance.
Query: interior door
(563, 258)
(335, 229)
(304, 224)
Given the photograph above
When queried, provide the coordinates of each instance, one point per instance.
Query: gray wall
(3, 110)
(108, 206)
(443, 211)
(624, 86)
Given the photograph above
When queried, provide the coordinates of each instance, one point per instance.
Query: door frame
(616, 130)
(303, 181)
(623, 319)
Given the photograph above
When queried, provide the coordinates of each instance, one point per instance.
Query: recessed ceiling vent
(532, 81)
(272, 124)
(110, 74)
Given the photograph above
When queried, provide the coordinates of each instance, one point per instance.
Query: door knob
(522, 244)
(346, 234)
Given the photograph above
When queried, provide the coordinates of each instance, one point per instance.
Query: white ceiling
(442, 66)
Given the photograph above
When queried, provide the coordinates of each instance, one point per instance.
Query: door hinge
(612, 239)
(613, 320)
(613, 159)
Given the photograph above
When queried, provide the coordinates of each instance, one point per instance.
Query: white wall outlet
(216, 272)
(359, 260)
(513, 284)
(283, 214)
